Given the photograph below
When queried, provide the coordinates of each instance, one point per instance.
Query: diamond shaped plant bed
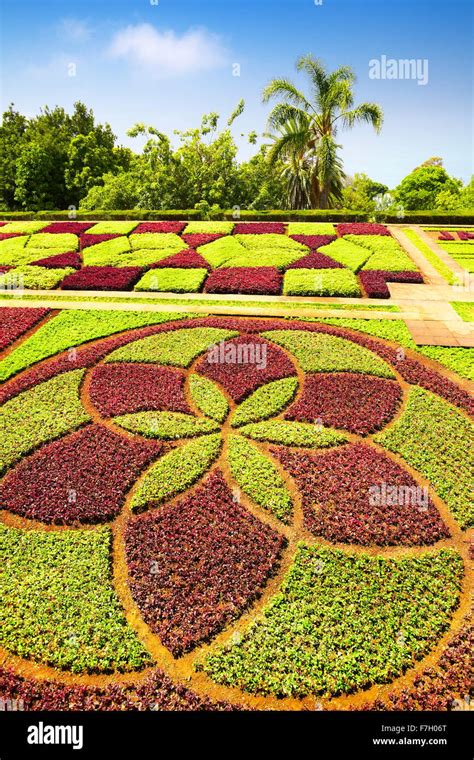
(187, 259)
(73, 228)
(315, 260)
(86, 240)
(314, 241)
(194, 240)
(71, 259)
(247, 280)
(102, 278)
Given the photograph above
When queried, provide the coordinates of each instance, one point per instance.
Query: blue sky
(166, 63)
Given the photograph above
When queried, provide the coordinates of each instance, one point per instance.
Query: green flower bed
(59, 605)
(342, 622)
(321, 282)
(40, 414)
(293, 434)
(110, 253)
(259, 478)
(222, 251)
(208, 398)
(317, 352)
(167, 426)
(65, 241)
(347, 253)
(23, 228)
(458, 359)
(431, 435)
(176, 471)
(172, 280)
(112, 228)
(266, 401)
(161, 241)
(465, 309)
(387, 254)
(270, 242)
(33, 278)
(280, 258)
(178, 348)
(73, 328)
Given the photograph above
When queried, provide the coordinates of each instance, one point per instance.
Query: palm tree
(307, 127)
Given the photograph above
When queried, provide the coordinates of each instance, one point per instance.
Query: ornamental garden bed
(297, 258)
(209, 513)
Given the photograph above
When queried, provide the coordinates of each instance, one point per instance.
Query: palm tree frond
(286, 89)
(370, 113)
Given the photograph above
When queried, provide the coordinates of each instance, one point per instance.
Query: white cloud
(167, 53)
(74, 29)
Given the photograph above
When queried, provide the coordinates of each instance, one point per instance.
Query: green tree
(467, 195)
(420, 189)
(306, 129)
(360, 193)
(12, 140)
(260, 183)
(89, 158)
(36, 179)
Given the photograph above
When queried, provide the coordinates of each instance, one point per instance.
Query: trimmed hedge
(316, 215)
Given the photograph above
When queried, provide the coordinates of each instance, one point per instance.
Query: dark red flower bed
(74, 228)
(71, 259)
(359, 228)
(197, 239)
(358, 403)
(228, 366)
(187, 259)
(127, 388)
(259, 228)
(102, 278)
(6, 235)
(442, 688)
(87, 240)
(464, 235)
(156, 692)
(5, 268)
(445, 235)
(163, 227)
(15, 322)
(315, 260)
(197, 564)
(339, 502)
(250, 280)
(374, 281)
(314, 241)
(83, 477)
